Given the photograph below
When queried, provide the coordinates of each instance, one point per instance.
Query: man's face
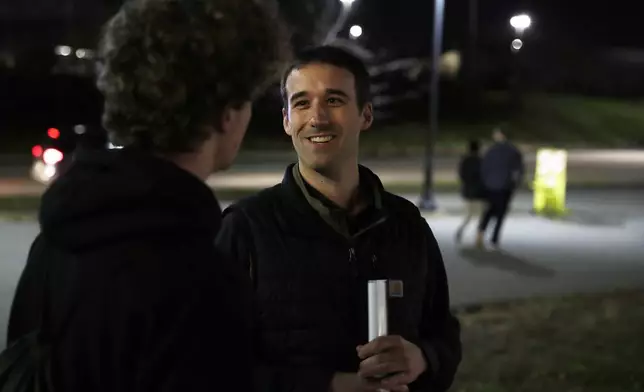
(498, 136)
(322, 116)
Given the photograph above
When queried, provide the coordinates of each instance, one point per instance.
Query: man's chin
(323, 167)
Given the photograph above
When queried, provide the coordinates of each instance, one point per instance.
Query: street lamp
(517, 44)
(520, 23)
(427, 199)
(340, 22)
(63, 50)
(355, 31)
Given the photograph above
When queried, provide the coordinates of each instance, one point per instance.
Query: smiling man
(313, 242)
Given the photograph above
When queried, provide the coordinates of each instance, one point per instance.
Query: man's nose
(319, 115)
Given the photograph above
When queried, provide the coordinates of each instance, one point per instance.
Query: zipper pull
(353, 262)
(374, 259)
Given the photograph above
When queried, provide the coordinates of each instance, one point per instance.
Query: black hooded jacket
(310, 284)
(137, 297)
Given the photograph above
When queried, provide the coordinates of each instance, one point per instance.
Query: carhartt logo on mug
(396, 289)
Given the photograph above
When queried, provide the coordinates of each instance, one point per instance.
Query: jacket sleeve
(439, 329)
(28, 298)
(236, 243)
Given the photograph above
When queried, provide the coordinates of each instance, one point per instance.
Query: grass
(544, 119)
(562, 120)
(589, 343)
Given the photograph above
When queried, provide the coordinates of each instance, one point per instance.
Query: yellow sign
(550, 182)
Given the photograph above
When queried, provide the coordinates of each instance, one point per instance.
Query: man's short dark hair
(337, 57)
(168, 68)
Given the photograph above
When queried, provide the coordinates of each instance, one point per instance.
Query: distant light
(111, 146)
(521, 22)
(517, 44)
(53, 133)
(51, 156)
(79, 129)
(49, 172)
(450, 63)
(63, 50)
(355, 31)
(81, 53)
(347, 3)
(36, 151)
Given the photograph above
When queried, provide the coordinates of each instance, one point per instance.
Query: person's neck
(192, 165)
(340, 186)
(199, 162)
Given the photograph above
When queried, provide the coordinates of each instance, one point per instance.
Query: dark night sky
(600, 23)
(406, 24)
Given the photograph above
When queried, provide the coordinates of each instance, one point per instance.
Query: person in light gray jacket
(502, 173)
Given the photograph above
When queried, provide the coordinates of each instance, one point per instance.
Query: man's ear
(367, 116)
(226, 120)
(286, 123)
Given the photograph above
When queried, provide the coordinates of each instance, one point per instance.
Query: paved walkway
(539, 257)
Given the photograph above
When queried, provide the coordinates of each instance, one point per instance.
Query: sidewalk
(540, 257)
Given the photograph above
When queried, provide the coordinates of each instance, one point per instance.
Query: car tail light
(51, 156)
(53, 133)
(36, 151)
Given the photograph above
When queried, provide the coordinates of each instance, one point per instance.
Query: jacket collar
(313, 206)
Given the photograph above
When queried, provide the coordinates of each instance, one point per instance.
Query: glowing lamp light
(517, 44)
(53, 133)
(355, 31)
(521, 22)
(51, 156)
(36, 151)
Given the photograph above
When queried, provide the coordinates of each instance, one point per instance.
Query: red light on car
(36, 151)
(53, 133)
(51, 156)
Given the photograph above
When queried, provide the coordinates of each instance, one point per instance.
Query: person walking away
(312, 243)
(502, 173)
(124, 269)
(472, 189)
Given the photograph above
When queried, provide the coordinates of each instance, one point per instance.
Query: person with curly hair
(124, 282)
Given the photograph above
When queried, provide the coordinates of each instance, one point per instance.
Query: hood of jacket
(109, 196)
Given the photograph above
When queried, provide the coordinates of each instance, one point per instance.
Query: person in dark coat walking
(125, 268)
(502, 172)
(312, 242)
(472, 189)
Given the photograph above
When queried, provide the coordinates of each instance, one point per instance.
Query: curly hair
(169, 67)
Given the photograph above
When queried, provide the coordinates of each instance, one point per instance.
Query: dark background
(573, 47)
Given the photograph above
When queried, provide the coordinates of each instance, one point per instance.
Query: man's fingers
(377, 386)
(382, 365)
(396, 380)
(378, 345)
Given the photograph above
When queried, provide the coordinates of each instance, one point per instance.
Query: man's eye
(299, 104)
(335, 101)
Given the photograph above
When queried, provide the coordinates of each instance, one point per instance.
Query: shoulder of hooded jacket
(400, 206)
(258, 202)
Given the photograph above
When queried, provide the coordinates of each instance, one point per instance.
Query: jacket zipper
(353, 261)
(352, 251)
